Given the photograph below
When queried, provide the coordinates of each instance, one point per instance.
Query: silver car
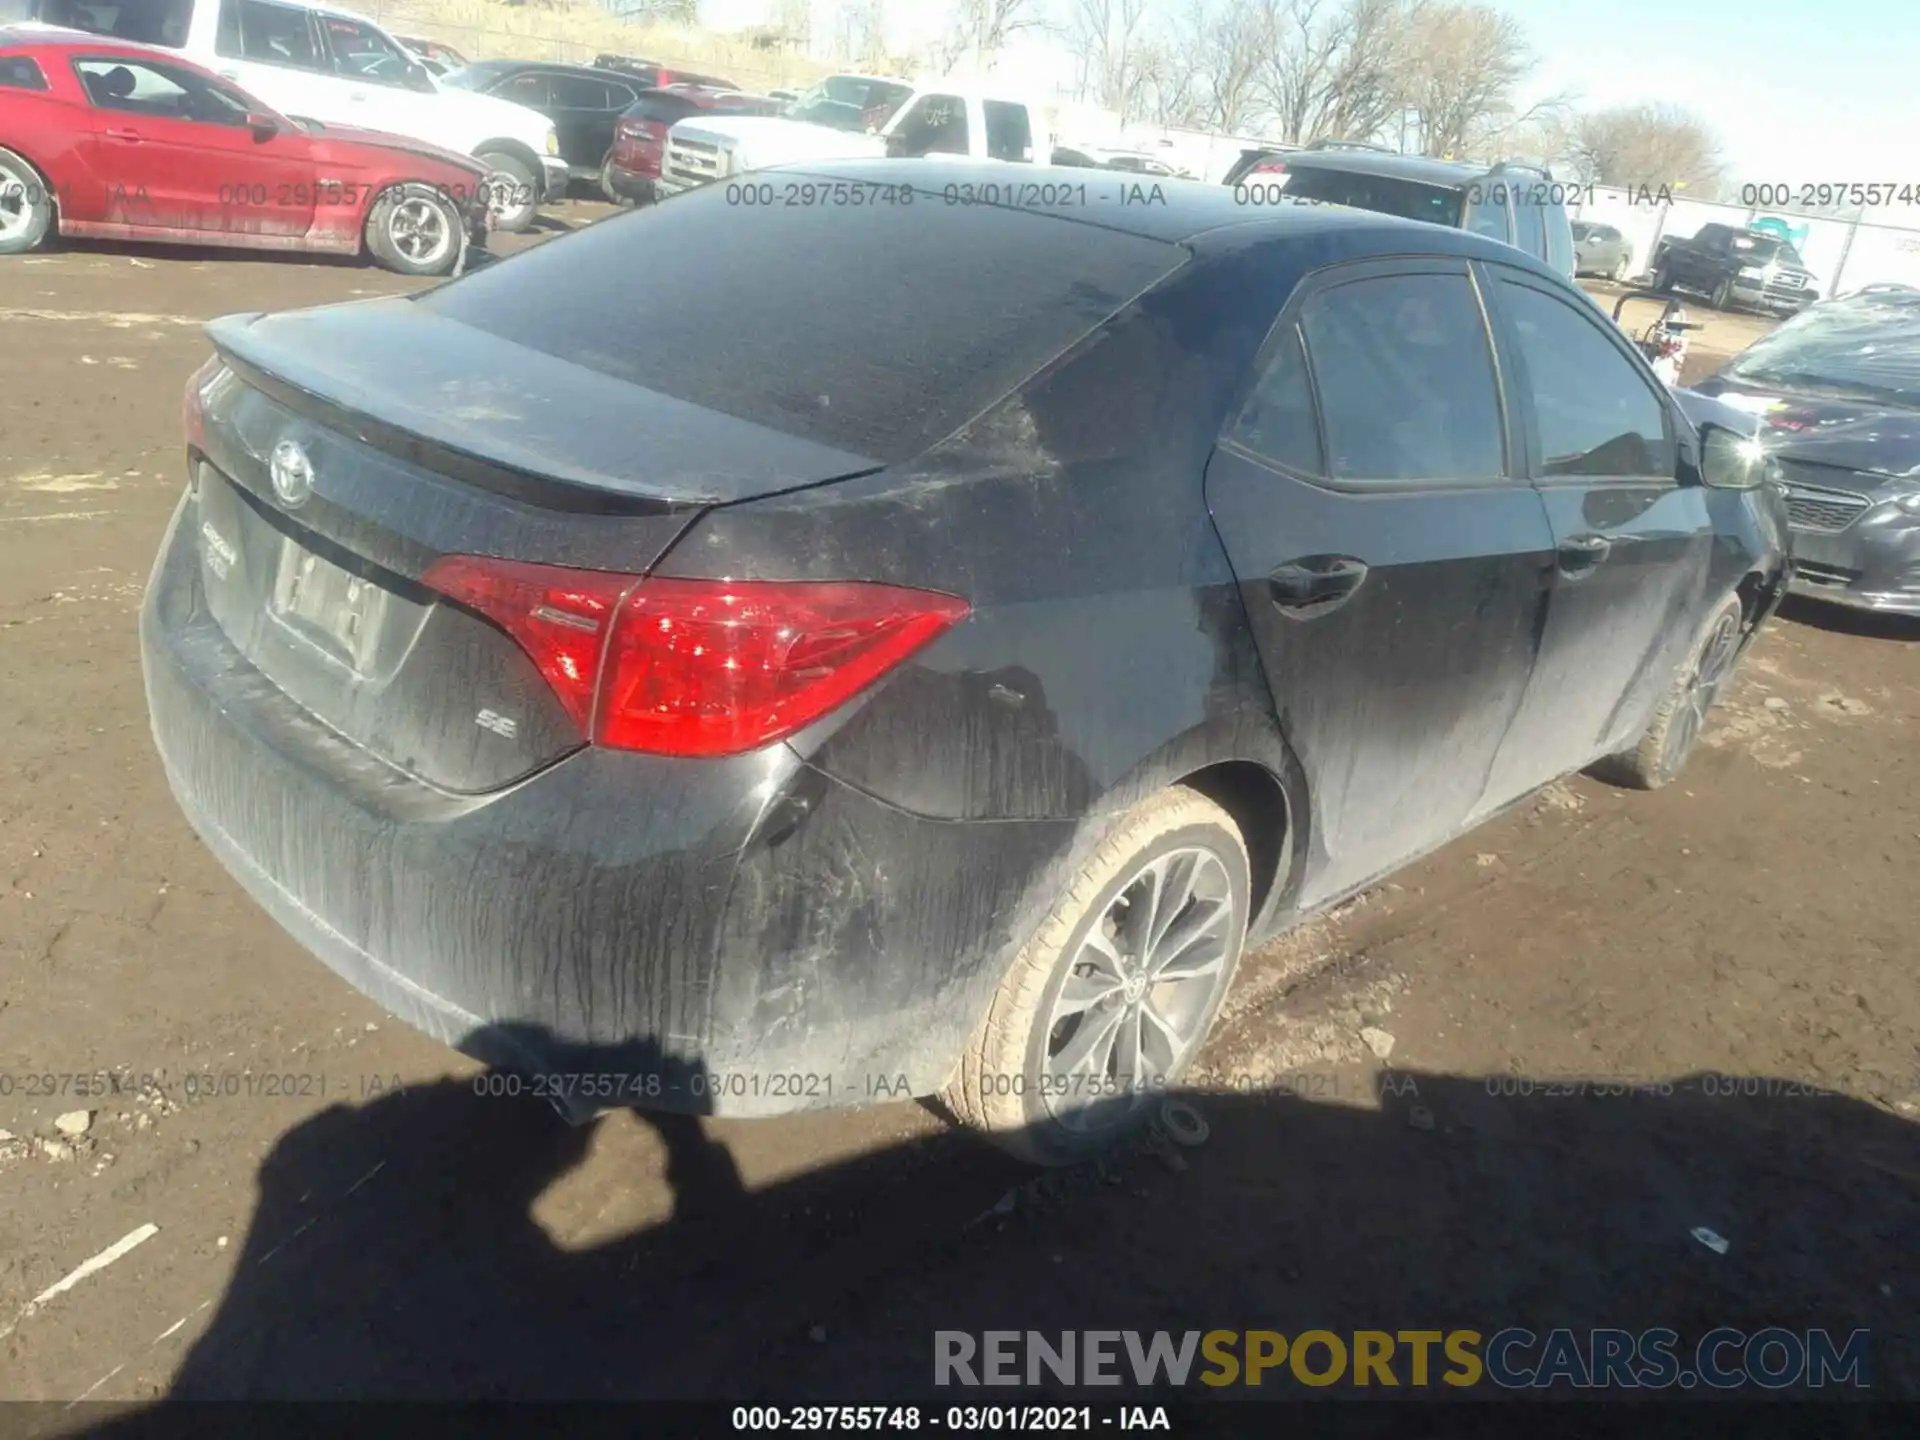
(1837, 390)
(1601, 250)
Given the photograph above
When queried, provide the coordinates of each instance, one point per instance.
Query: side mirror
(420, 78)
(1732, 462)
(263, 126)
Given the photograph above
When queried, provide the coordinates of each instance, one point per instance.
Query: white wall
(1873, 253)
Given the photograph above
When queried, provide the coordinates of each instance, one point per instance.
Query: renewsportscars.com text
(1514, 1358)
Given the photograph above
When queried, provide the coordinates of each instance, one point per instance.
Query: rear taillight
(627, 129)
(697, 667)
(1270, 167)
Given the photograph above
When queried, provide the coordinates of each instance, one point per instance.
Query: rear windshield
(875, 328)
(1408, 199)
(661, 108)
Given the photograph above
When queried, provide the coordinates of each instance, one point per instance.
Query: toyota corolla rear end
(417, 682)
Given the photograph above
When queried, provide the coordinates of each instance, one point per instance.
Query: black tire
(1663, 276)
(1722, 297)
(1622, 270)
(1681, 715)
(518, 188)
(606, 183)
(415, 230)
(1006, 1085)
(26, 205)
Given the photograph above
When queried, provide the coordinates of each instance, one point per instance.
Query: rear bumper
(1874, 564)
(737, 937)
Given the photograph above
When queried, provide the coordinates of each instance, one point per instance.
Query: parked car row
(939, 690)
(117, 141)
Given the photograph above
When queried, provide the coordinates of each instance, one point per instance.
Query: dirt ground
(1743, 943)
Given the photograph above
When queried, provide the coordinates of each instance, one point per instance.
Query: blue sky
(1797, 93)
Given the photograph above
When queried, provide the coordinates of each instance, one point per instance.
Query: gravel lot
(367, 1224)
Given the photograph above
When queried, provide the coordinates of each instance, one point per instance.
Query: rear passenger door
(1390, 553)
(583, 111)
(1632, 545)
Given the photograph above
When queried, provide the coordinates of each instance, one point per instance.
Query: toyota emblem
(292, 473)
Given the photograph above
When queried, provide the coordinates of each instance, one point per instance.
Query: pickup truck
(1733, 267)
(856, 117)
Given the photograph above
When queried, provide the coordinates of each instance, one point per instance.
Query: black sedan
(936, 690)
(1838, 390)
(584, 104)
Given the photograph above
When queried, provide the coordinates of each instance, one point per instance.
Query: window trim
(333, 70)
(321, 50)
(1349, 272)
(1524, 412)
(158, 63)
(39, 73)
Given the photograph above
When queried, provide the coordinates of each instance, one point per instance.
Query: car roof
(591, 72)
(1388, 166)
(1185, 212)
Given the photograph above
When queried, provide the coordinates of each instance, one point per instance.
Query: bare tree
(1106, 35)
(1338, 69)
(1649, 145)
(979, 29)
(1466, 63)
(1222, 48)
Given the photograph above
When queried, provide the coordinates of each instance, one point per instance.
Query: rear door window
(870, 329)
(577, 92)
(1278, 423)
(527, 88)
(1404, 372)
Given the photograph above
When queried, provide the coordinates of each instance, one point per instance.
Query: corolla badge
(292, 473)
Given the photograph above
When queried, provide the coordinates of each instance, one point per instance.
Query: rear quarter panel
(51, 128)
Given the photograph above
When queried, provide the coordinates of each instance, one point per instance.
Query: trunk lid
(341, 452)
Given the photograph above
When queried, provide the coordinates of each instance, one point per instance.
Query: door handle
(1581, 555)
(1315, 584)
(132, 137)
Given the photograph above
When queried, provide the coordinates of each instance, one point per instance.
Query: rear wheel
(26, 205)
(1106, 1005)
(1722, 297)
(1622, 269)
(1682, 714)
(606, 182)
(415, 230)
(516, 191)
(1663, 275)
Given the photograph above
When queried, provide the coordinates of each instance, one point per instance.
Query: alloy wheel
(419, 230)
(1141, 990)
(1703, 689)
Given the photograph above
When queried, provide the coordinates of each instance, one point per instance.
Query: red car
(640, 136)
(116, 141)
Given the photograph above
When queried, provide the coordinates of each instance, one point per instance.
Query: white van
(317, 62)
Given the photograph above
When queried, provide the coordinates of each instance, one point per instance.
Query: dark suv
(1520, 204)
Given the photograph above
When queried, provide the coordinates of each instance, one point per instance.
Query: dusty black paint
(841, 905)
